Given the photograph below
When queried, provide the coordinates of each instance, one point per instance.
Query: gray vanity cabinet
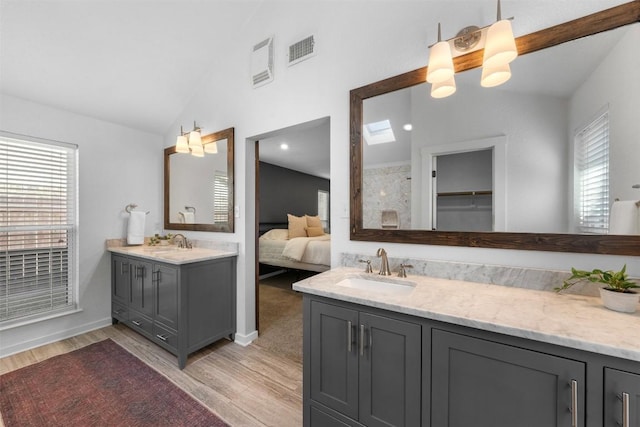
(373, 367)
(621, 398)
(484, 383)
(182, 307)
(361, 365)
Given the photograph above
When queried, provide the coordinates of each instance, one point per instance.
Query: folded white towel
(187, 217)
(135, 229)
(624, 217)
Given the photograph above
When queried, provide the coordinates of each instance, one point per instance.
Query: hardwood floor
(245, 386)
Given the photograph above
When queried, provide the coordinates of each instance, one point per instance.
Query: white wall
(358, 43)
(118, 166)
(622, 95)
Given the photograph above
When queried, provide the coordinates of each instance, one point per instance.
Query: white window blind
(592, 174)
(323, 208)
(220, 197)
(37, 227)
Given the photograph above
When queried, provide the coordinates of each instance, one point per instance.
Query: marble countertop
(574, 321)
(172, 254)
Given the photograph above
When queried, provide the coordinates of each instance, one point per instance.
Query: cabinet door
(482, 383)
(120, 279)
(334, 357)
(390, 371)
(166, 284)
(621, 398)
(141, 287)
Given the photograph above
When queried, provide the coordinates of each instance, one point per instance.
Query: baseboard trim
(58, 336)
(245, 340)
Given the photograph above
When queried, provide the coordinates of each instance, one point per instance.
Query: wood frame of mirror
(224, 228)
(609, 19)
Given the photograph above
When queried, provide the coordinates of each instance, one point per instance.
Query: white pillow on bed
(276, 234)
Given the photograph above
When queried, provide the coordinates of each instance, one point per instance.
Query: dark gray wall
(285, 191)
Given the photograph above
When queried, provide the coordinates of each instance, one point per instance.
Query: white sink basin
(378, 284)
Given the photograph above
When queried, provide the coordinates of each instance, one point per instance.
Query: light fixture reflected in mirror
(495, 76)
(211, 148)
(443, 89)
(499, 50)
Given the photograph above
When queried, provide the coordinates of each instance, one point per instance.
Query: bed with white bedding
(300, 253)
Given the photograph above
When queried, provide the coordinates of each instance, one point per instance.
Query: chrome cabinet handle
(349, 336)
(574, 403)
(162, 337)
(117, 311)
(136, 322)
(625, 410)
(361, 340)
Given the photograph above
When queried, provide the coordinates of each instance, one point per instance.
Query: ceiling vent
(262, 63)
(304, 49)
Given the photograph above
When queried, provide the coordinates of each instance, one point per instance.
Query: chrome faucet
(403, 270)
(184, 243)
(384, 263)
(368, 268)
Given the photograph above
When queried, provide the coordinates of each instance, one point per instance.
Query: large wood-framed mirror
(506, 232)
(198, 191)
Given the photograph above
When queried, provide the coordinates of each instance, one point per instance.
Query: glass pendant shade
(495, 76)
(194, 139)
(443, 89)
(500, 47)
(182, 146)
(211, 148)
(440, 66)
(197, 151)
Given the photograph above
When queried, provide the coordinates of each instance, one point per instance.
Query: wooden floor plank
(245, 386)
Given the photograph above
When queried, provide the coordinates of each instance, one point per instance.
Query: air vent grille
(262, 63)
(304, 49)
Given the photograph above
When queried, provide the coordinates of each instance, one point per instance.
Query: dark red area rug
(98, 385)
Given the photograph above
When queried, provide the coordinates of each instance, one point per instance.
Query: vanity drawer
(119, 312)
(140, 322)
(168, 338)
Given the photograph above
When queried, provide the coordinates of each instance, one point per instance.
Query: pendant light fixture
(192, 144)
(500, 47)
(182, 145)
(499, 50)
(440, 61)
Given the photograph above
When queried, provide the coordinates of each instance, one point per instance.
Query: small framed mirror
(198, 191)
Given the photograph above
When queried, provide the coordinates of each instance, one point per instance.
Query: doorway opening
(291, 183)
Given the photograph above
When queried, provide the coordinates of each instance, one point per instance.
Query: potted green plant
(616, 295)
(160, 240)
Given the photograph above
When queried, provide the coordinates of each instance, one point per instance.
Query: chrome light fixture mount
(499, 50)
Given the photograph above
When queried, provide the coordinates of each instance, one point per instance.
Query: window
(378, 133)
(592, 176)
(323, 208)
(38, 227)
(220, 197)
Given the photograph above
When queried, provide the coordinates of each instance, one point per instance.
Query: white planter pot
(619, 301)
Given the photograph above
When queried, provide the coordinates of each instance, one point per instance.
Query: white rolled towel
(624, 217)
(187, 217)
(135, 229)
